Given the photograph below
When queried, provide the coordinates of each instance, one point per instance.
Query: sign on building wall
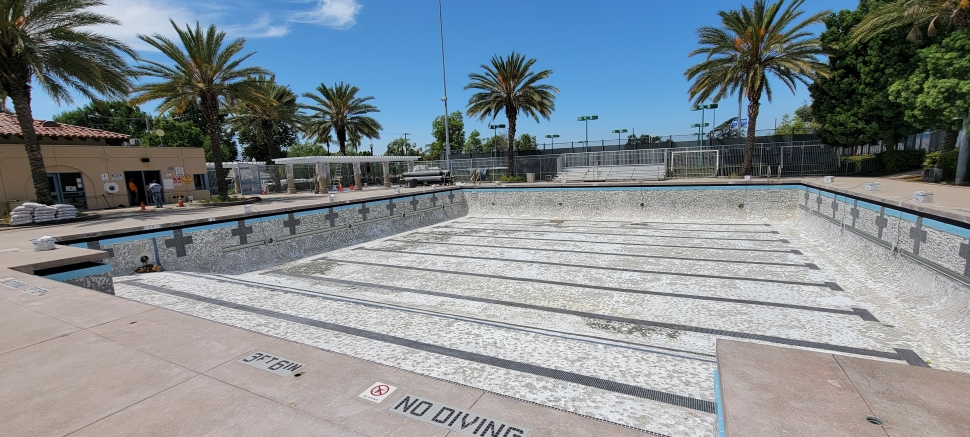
(104, 177)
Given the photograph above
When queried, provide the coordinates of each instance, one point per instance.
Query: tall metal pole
(702, 127)
(444, 81)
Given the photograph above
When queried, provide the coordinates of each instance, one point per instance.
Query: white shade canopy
(344, 159)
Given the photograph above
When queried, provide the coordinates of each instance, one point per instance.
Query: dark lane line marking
(829, 285)
(639, 347)
(561, 375)
(587, 252)
(284, 273)
(655, 229)
(796, 252)
(605, 288)
(533, 231)
(622, 221)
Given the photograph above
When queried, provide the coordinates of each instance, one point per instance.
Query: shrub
(898, 161)
(946, 161)
(862, 164)
(506, 178)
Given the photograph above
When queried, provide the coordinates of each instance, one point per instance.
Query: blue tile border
(641, 188)
(135, 237)
(719, 403)
(79, 273)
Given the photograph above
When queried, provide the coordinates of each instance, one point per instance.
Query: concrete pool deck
(188, 367)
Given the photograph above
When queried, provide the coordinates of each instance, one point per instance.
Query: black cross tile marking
(835, 206)
(854, 212)
(179, 241)
(965, 254)
(881, 222)
(918, 235)
(434, 200)
(414, 203)
(390, 207)
(451, 197)
(96, 245)
(242, 231)
(818, 202)
(291, 222)
(331, 217)
(364, 210)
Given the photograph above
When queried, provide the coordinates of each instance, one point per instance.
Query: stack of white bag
(44, 213)
(65, 211)
(22, 215)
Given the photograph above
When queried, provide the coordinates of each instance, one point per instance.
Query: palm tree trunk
(210, 108)
(753, 108)
(512, 115)
(20, 96)
(267, 129)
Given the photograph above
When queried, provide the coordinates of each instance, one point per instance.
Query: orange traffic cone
(340, 187)
(180, 202)
(143, 206)
(264, 191)
(351, 188)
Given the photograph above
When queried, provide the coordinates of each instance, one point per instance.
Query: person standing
(156, 191)
(132, 193)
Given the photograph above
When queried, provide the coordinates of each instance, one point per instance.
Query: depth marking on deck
(737, 249)
(809, 266)
(830, 285)
(533, 231)
(454, 419)
(271, 363)
(575, 378)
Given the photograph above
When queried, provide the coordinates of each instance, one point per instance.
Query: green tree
(270, 127)
(509, 85)
(306, 148)
(338, 110)
(112, 116)
(51, 43)
(180, 133)
(499, 142)
(938, 91)
(751, 45)
(456, 135)
(401, 147)
(526, 142)
(852, 106)
(207, 74)
(474, 142)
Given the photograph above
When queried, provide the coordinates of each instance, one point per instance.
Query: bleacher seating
(608, 173)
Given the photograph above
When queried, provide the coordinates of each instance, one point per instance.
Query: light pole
(619, 132)
(700, 130)
(702, 125)
(495, 128)
(444, 81)
(586, 119)
(552, 139)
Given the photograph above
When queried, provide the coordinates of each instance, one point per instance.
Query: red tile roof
(9, 126)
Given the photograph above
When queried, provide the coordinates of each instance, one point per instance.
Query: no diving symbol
(377, 392)
(380, 390)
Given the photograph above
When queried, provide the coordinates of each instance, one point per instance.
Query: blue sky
(622, 60)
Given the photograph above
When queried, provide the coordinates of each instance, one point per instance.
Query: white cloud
(332, 13)
(148, 17)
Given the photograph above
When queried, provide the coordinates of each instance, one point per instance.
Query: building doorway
(140, 181)
(67, 188)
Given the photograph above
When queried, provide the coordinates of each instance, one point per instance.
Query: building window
(199, 180)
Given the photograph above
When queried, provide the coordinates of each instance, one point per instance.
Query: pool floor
(609, 319)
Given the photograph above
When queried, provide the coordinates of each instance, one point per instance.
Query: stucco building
(93, 169)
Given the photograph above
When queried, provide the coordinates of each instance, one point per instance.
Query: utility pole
(444, 80)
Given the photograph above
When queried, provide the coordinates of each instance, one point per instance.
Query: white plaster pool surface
(610, 319)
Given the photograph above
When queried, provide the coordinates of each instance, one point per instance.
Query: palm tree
(340, 111)
(264, 119)
(49, 41)
(751, 45)
(916, 14)
(511, 86)
(208, 74)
